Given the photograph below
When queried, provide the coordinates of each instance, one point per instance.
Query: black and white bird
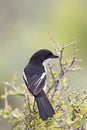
(34, 76)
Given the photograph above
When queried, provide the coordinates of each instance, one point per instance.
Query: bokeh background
(24, 27)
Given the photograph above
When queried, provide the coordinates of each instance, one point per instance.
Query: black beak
(54, 56)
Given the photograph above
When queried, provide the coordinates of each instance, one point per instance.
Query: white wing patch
(40, 79)
(25, 78)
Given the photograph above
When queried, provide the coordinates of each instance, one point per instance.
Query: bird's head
(42, 55)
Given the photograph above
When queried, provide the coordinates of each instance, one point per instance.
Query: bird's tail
(45, 108)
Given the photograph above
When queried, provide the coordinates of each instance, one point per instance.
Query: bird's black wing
(35, 83)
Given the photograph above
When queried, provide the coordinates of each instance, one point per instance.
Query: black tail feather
(45, 108)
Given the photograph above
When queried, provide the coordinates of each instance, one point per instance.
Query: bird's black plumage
(34, 76)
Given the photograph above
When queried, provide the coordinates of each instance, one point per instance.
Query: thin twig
(51, 71)
(63, 68)
(67, 45)
(6, 99)
(9, 85)
(54, 41)
(34, 105)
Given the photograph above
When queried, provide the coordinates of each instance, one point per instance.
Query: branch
(73, 69)
(6, 99)
(54, 41)
(63, 68)
(67, 45)
(51, 71)
(9, 85)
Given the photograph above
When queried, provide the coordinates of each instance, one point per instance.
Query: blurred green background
(24, 27)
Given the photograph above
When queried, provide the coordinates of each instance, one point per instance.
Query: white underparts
(46, 62)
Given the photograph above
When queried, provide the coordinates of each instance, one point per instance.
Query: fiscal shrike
(34, 76)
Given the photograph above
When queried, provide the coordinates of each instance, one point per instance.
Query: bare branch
(34, 105)
(60, 59)
(9, 85)
(51, 71)
(73, 69)
(76, 60)
(72, 62)
(63, 68)
(6, 99)
(67, 45)
(54, 41)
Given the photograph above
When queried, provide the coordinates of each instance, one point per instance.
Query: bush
(70, 105)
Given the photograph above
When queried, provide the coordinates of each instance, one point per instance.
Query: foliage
(70, 105)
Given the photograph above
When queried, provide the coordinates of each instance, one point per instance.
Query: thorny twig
(63, 68)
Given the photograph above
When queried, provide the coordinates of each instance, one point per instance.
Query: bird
(35, 78)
